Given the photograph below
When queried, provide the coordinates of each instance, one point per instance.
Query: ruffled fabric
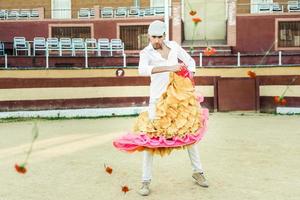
(160, 145)
(180, 121)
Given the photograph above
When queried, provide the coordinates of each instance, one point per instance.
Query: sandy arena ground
(251, 156)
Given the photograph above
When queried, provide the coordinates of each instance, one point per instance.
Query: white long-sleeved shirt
(150, 58)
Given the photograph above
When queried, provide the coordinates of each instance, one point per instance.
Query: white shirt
(150, 58)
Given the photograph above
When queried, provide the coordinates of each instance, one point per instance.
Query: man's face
(156, 41)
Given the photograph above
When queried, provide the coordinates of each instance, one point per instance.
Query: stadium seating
(86, 13)
(19, 14)
(71, 45)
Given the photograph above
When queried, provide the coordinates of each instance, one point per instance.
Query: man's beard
(157, 46)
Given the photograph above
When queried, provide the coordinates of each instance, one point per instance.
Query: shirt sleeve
(186, 58)
(144, 68)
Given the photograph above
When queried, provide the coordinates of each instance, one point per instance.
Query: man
(157, 60)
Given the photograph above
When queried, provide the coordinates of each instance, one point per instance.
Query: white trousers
(148, 157)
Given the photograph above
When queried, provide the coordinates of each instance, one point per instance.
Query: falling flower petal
(193, 12)
(208, 51)
(108, 169)
(196, 20)
(125, 189)
(251, 74)
(20, 169)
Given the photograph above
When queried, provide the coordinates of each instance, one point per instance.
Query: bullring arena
(69, 86)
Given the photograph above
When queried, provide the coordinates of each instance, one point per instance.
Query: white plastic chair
(104, 45)
(149, 12)
(52, 44)
(159, 10)
(141, 12)
(92, 12)
(24, 14)
(84, 13)
(20, 44)
(13, 14)
(276, 7)
(77, 45)
(133, 12)
(34, 14)
(91, 44)
(121, 12)
(3, 14)
(293, 6)
(117, 45)
(39, 44)
(65, 44)
(264, 8)
(107, 12)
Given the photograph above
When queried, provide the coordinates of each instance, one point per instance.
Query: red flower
(196, 20)
(283, 102)
(280, 100)
(251, 74)
(125, 189)
(276, 99)
(108, 169)
(20, 169)
(193, 12)
(184, 72)
(208, 51)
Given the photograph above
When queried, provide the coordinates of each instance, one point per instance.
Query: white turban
(157, 28)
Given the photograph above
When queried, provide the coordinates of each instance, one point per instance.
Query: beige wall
(213, 14)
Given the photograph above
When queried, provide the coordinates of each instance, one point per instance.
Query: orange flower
(193, 12)
(108, 169)
(276, 99)
(283, 102)
(208, 51)
(125, 189)
(196, 20)
(20, 169)
(251, 74)
(280, 100)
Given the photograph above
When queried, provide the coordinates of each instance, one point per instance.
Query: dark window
(71, 32)
(134, 37)
(289, 34)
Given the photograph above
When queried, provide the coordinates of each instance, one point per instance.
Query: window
(289, 34)
(134, 37)
(71, 32)
(61, 9)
